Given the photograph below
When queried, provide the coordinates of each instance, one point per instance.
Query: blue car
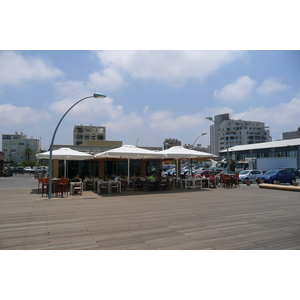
(281, 175)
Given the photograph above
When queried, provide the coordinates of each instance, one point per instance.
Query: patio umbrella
(129, 152)
(65, 154)
(179, 152)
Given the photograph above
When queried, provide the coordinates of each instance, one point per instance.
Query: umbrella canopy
(65, 154)
(183, 153)
(129, 152)
(179, 152)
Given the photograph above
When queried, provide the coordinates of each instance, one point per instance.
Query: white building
(282, 148)
(83, 133)
(16, 148)
(291, 135)
(236, 132)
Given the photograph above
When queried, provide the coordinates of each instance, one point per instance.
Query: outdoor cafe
(120, 169)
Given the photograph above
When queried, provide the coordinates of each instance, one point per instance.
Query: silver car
(249, 174)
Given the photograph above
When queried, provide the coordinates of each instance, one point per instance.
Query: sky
(151, 94)
(161, 81)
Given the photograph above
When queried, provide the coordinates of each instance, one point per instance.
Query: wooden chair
(222, 180)
(115, 186)
(169, 184)
(103, 187)
(162, 184)
(236, 180)
(77, 188)
(138, 184)
(227, 181)
(39, 183)
(45, 186)
(62, 185)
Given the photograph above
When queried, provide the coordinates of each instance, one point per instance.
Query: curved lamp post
(203, 133)
(96, 95)
(224, 136)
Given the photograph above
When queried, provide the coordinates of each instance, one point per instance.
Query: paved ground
(238, 218)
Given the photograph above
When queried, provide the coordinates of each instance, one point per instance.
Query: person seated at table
(152, 177)
(213, 180)
(184, 175)
(76, 178)
(162, 174)
(118, 177)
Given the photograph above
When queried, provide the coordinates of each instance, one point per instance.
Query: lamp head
(99, 95)
(209, 118)
(204, 133)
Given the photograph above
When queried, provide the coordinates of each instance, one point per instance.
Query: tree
(28, 152)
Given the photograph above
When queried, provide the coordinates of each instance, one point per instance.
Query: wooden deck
(246, 217)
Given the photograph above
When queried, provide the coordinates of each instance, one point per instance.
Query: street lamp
(96, 95)
(203, 133)
(137, 142)
(224, 136)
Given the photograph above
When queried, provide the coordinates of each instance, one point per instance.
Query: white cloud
(271, 85)
(281, 117)
(16, 69)
(100, 111)
(172, 67)
(124, 123)
(236, 91)
(14, 115)
(167, 121)
(89, 109)
(108, 79)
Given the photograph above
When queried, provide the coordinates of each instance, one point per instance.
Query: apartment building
(291, 134)
(228, 133)
(18, 148)
(83, 133)
(168, 143)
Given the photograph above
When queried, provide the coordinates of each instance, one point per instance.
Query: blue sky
(151, 95)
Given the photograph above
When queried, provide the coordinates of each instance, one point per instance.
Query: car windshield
(271, 172)
(244, 172)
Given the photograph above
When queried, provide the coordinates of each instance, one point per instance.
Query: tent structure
(65, 154)
(179, 152)
(129, 152)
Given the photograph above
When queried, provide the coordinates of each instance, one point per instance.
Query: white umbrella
(179, 152)
(129, 152)
(65, 154)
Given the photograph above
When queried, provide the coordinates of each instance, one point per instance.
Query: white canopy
(179, 152)
(129, 152)
(65, 154)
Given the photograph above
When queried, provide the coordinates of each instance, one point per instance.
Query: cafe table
(194, 182)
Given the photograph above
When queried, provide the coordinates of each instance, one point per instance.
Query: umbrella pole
(128, 173)
(177, 169)
(65, 170)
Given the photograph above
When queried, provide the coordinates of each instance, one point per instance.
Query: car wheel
(293, 181)
(274, 181)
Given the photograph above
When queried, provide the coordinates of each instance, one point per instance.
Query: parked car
(29, 170)
(281, 175)
(296, 171)
(224, 172)
(41, 169)
(249, 174)
(171, 172)
(18, 170)
(206, 173)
